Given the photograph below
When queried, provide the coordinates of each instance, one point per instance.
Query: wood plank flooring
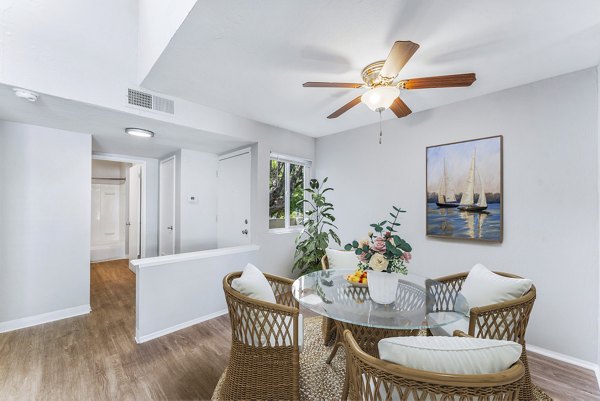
(95, 357)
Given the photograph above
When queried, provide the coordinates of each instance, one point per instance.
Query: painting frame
(500, 238)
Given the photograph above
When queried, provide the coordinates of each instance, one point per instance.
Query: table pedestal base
(367, 338)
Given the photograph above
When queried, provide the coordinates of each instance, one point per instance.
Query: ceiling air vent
(150, 102)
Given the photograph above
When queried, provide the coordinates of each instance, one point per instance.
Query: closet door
(166, 223)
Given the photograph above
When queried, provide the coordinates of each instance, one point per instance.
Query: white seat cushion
(447, 330)
(341, 259)
(483, 287)
(451, 355)
(253, 283)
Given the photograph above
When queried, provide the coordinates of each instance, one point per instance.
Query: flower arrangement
(383, 251)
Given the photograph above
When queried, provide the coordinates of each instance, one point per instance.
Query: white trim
(142, 163)
(235, 153)
(44, 318)
(290, 159)
(183, 257)
(177, 327)
(567, 359)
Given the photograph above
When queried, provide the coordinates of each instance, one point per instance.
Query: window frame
(287, 160)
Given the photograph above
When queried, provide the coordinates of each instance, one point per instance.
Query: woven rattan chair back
(503, 321)
(264, 359)
(372, 379)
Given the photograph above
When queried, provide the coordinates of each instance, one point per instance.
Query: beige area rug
(320, 381)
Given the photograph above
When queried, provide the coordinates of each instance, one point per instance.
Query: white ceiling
(250, 58)
(107, 127)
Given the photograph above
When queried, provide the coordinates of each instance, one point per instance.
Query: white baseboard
(44, 318)
(142, 339)
(567, 359)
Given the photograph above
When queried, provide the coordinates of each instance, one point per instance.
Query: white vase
(382, 286)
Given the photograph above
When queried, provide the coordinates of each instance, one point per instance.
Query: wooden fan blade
(345, 108)
(445, 81)
(331, 85)
(401, 52)
(400, 108)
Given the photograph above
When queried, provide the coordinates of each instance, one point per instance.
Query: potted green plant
(318, 229)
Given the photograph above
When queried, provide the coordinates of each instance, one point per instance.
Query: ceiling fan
(383, 92)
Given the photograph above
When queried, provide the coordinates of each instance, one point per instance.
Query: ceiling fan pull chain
(380, 131)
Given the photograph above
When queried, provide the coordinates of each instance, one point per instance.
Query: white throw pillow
(254, 284)
(451, 355)
(341, 259)
(483, 287)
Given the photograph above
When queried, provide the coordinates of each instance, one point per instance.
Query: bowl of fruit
(358, 278)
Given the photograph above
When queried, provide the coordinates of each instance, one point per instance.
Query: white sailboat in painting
(467, 200)
(446, 196)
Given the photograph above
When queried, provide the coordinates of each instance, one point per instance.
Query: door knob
(170, 228)
(245, 232)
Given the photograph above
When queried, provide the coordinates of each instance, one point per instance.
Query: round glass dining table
(328, 293)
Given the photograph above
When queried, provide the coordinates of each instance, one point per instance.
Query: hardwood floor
(95, 357)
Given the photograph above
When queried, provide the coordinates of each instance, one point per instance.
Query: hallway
(95, 357)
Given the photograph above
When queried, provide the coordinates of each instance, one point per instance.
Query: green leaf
(355, 244)
(358, 251)
(379, 229)
(348, 247)
(392, 249)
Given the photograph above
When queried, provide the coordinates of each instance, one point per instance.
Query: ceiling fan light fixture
(380, 98)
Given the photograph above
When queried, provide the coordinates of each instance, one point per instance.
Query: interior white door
(134, 223)
(233, 202)
(166, 218)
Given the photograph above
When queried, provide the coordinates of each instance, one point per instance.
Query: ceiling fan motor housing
(371, 77)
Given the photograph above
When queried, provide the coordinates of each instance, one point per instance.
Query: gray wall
(45, 201)
(550, 133)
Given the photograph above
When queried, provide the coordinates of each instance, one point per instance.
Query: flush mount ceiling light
(380, 98)
(143, 133)
(26, 94)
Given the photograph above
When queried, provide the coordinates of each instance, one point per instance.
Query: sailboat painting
(464, 190)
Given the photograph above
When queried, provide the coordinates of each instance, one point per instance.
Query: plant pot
(382, 286)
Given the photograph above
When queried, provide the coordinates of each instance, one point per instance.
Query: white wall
(551, 234)
(85, 50)
(45, 221)
(177, 291)
(158, 21)
(196, 222)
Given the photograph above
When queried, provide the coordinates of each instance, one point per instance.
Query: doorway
(118, 208)
(233, 199)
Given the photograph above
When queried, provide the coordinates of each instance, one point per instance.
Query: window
(287, 180)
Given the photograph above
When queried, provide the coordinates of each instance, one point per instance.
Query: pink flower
(363, 257)
(406, 256)
(378, 245)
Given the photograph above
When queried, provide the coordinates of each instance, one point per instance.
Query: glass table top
(327, 293)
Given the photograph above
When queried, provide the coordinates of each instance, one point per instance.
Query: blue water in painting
(455, 223)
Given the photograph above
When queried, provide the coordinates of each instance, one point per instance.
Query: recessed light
(26, 94)
(144, 133)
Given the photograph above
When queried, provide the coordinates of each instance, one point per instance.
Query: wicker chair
(372, 379)
(264, 360)
(328, 325)
(504, 321)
